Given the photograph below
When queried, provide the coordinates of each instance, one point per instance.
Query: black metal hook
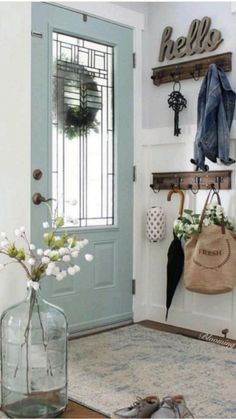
(194, 191)
(213, 187)
(154, 188)
(196, 73)
(176, 75)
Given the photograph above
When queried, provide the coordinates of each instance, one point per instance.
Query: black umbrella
(175, 257)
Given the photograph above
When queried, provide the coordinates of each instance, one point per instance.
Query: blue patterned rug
(109, 370)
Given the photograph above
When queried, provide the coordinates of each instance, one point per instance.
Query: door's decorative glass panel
(82, 132)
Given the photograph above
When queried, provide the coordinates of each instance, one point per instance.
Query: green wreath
(81, 119)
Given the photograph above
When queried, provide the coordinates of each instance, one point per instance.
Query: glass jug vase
(34, 358)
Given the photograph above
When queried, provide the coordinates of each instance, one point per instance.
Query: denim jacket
(216, 103)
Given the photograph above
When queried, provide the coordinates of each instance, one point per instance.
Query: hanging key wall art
(177, 102)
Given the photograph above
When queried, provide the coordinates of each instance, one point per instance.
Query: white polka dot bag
(155, 224)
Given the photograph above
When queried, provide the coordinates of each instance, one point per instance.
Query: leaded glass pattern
(82, 132)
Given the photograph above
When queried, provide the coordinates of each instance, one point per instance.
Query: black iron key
(177, 102)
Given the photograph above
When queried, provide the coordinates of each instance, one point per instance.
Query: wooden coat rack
(190, 69)
(194, 181)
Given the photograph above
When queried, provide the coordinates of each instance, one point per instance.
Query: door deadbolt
(37, 174)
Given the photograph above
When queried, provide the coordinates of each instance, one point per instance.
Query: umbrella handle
(181, 193)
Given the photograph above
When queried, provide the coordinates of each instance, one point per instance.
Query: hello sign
(200, 38)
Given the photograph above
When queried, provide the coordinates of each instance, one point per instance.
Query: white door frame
(136, 21)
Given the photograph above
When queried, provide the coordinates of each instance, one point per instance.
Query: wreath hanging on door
(81, 100)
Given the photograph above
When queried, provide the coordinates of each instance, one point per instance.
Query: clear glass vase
(34, 358)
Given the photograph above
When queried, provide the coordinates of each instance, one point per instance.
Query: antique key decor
(177, 102)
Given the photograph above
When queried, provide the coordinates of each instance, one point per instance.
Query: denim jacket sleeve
(216, 103)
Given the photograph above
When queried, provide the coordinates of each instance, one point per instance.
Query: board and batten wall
(160, 151)
(15, 74)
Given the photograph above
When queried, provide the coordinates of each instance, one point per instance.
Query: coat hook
(196, 73)
(196, 181)
(176, 75)
(213, 186)
(219, 179)
(155, 188)
(194, 191)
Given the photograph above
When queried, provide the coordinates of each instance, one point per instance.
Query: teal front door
(82, 143)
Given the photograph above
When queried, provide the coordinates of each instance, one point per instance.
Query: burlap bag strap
(214, 193)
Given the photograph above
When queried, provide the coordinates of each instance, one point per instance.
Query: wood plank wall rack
(193, 69)
(194, 181)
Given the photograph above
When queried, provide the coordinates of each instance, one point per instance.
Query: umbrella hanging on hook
(175, 257)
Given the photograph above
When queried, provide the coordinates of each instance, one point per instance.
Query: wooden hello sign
(200, 38)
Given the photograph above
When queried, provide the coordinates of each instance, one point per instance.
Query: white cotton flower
(78, 245)
(1, 266)
(40, 252)
(176, 223)
(3, 235)
(45, 259)
(60, 276)
(17, 233)
(47, 252)
(64, 273)
(181, 225)
(207, 222)
(71, 271)
(31, 261)
(188, 217)
(188, 229)
(219, 211)
(46, 224)
(48, 271)
(45, 235)
(75, 253)
(55, 270)
(22, 229)
(88, 257)
(52, 269)
(66, 258)
(76, 268)
(62, 251)
(51, 265)
(32, 246)
(57, 237)
(81, 243)
(211, 206)
(4, 243)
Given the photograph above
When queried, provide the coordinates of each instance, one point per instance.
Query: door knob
(37, 198)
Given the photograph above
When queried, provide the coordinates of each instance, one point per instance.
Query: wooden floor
(75, 410)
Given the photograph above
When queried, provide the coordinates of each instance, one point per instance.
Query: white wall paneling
(15, 39)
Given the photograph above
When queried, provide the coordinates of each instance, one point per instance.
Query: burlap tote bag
(210, 258)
